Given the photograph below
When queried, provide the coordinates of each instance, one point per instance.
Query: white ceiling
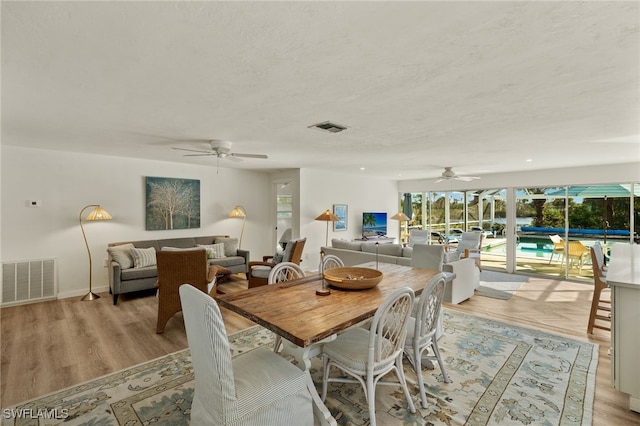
(480, 86)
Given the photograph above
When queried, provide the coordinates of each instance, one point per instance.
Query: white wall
(65, 182)
(320, 190)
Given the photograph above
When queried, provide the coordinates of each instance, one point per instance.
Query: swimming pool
(534, 247)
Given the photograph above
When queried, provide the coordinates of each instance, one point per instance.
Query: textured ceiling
(480, 86)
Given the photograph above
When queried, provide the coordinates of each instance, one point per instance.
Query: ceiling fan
(449, 174)
(220, 149)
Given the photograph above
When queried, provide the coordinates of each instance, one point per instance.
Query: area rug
(500, 374)
(499, 285)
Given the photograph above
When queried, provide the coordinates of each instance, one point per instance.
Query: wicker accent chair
(421, 331)
(258, 274)
(368, 355)
(257, 387)
(174, 269)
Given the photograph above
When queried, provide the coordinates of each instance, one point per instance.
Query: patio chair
(259, 271)
(437, 238)
(468, 243)
(368, 355)
(257, 387)
(577, 254)
(558, 247)
(598, 304)
(421, 331)
(174, 269)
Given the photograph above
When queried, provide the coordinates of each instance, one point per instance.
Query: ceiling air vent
(329, 127)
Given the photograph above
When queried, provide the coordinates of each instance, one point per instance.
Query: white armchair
(465, 283)
(255, 388)
(467, 274)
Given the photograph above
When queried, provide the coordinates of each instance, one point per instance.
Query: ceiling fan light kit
(220, 149)
(449, 174)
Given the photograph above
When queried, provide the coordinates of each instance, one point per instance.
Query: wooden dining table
(294, 311)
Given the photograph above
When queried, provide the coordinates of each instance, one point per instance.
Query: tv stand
(381, 240)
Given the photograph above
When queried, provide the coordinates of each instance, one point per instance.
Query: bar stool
(599, 305)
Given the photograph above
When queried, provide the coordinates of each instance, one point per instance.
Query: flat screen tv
(374, 224)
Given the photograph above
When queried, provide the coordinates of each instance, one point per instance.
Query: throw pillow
(143, 257)
(122, 255)
(230, 246)
(286, 255)
(277, 258)
(214, 251)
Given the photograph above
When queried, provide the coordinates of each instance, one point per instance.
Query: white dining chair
(285, 271)
(421, 331)
(330, 261)
(257, 387)
(281, 272)
(368, 355)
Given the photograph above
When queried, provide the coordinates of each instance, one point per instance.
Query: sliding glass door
(552, 227)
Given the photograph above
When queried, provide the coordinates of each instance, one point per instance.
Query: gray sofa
(467, 274)
(125, 275)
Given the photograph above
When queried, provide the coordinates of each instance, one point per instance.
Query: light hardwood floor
(52, 345)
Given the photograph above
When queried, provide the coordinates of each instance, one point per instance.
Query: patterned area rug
(500, 374)
(499, 285)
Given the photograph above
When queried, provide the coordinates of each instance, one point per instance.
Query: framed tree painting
(172, 203)
(340, 210)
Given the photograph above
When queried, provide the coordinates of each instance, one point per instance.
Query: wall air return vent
(28, 281)
(328, 126)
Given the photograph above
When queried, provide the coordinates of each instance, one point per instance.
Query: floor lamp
(402, 218)
(239, 212)
(98, 213)
(327, 217)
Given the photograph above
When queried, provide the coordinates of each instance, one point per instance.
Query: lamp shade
(238, 212)
(327, 217)
(98, 213)
(400, 216)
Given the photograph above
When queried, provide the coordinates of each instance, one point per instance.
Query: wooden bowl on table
(353, 278)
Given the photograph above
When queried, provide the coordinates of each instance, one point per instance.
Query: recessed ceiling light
(361, 168)
(529, 160)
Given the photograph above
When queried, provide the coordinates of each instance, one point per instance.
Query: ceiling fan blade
(193, 150)
(467, 178)
(232, 158)
(441, 180)
(249, 155)
(200, 155)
